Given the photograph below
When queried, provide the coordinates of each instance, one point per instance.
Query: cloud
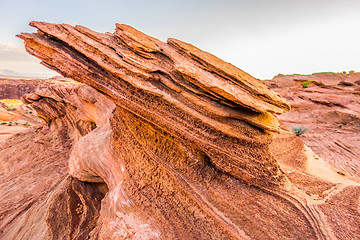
(11, 53)
(8, 72)
(15, 60)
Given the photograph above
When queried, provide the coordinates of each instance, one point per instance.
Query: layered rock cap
(174, 86)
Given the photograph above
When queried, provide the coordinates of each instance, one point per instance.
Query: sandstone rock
(6, 115)
(39, 200)
(68, 103)
(15, 88)
(197, 92)
(189, 154)
(331, 112)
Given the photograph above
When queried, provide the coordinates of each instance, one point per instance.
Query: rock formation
(329, 106)
(175, 87)
(11, 90)
(39, 200)
(189, 154)
(16, 116)
(15, 88)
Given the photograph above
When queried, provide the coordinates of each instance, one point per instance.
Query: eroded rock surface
(174, 86)
(16, 88)
(39, 199)
(15, 116)
(329, 106)
(187, 154)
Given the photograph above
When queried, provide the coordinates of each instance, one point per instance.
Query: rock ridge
(39, 199)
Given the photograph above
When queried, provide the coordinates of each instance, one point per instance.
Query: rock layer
(14, 114)
(174, 86)
(15, 88)
(39, 199)
(329, 107)
(188, 155)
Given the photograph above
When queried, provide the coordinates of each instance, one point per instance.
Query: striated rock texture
(22, 115)
(188, 155)
(174, 87)
(39, 200)
(329, 107)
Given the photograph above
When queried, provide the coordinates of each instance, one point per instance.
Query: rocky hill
(183, 146)
(328, 105)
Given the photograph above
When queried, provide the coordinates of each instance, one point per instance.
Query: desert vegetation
(306, 84)
(299, 130)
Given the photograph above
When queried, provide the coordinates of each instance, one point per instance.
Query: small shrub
(16, 123)
(306, 84)
(9, 123)
(30, 112)
(352, 71)
(13, 109)
(27, 124)
(299, 130)
(38, 120)
(9, 109)
(3, 123)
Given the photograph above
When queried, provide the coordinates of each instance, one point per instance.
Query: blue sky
(261, 37)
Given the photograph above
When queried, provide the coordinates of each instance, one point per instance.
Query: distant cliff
(15, 88)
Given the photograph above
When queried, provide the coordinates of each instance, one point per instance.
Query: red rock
(39, 199)
(331, 112)
(15, 88)
(189, 154)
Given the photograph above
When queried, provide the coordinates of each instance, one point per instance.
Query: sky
(261, 37)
